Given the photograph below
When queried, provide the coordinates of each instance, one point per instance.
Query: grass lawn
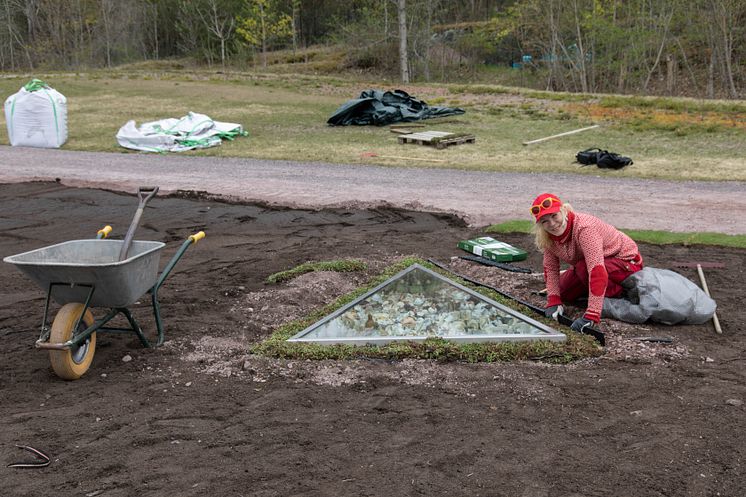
(286, 115)
(644, 236)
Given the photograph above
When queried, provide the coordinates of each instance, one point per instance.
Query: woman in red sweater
(599, 255)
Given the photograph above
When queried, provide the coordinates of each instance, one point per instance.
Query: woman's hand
(554, 312)
(581, 324)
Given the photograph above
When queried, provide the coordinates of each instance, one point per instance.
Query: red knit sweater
(587, 237)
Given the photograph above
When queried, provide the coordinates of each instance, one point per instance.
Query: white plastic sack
(37, 116)
(177, 135)
(665, 297)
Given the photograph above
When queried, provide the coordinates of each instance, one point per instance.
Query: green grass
(576, 346)
(643, 236)
(515, 226)
(699, 238)
(285, 115)
(340, 266)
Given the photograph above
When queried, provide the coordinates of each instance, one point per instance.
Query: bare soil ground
(201, 416)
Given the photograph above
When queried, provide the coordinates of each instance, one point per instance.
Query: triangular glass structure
(418, 303)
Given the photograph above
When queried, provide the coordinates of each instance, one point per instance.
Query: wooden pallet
(437, 139)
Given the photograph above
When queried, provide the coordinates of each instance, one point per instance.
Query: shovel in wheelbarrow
(83, 274)
(144, 194)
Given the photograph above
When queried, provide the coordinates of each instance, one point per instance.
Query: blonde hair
(541, 237)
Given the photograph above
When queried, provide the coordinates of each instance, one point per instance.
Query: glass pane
(419, 303)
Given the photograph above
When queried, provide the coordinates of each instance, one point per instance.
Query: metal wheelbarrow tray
(78, 264)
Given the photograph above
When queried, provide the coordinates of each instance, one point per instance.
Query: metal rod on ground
(715, 319)
(597, 334)
(561, 134)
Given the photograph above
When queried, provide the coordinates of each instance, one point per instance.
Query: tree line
(665, 47)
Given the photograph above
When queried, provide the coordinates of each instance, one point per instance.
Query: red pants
(574, 281)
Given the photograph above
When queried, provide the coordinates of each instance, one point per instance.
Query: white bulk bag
(37, 116)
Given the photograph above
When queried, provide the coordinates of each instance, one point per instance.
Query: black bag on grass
(602, 158)
(588, 157)
(610, 160)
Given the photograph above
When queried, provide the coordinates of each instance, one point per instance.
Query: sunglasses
(545, 204)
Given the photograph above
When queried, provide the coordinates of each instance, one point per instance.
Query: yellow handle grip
(104, 231)
(197, 237)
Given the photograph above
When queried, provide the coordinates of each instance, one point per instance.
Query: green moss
(576, 346)
(340, 266)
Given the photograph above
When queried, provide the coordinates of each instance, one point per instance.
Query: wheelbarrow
(82, 274)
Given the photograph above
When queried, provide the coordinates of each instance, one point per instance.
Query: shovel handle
(144, 194)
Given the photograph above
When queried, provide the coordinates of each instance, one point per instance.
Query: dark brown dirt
(201, 416)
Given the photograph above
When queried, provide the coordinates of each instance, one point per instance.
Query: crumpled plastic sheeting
(665, 297)
(382, 108)
(177, 135)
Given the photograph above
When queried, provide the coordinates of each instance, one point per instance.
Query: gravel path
(481, 198)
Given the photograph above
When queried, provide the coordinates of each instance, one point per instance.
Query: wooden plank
(455, 141)
(428, 135)
(561, 134)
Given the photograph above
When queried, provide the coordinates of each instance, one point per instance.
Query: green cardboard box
(492, 249)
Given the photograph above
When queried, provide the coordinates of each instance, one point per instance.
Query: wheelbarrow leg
(135, 327)
(166, 271)
(158, 322)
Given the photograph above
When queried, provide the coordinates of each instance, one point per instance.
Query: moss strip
(340, 266)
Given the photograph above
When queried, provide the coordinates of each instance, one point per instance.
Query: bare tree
(403, 57)
(218, 22)
(295, 5)
(107, 7)
(661, 46)
(725, 14)
(12, 40)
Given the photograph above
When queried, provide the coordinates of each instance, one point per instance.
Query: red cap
(554, 205)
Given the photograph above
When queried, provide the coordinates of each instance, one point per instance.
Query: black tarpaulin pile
(381, 108)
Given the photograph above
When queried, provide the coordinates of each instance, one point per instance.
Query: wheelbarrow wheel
(71, 364)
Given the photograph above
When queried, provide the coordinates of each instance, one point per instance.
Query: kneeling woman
(600, 256)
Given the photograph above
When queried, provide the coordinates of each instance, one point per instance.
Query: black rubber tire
(71, 364)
